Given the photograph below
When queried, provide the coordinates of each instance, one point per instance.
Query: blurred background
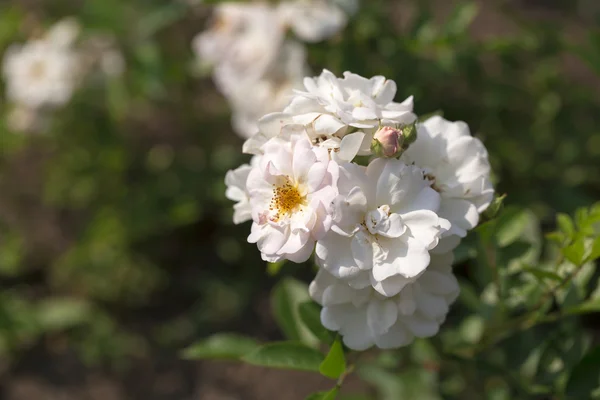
(117, 247)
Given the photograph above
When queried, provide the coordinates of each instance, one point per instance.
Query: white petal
(294, 247)
(407, 259)
(270, 125)
(321, 282)
(386, 92)
(381, 315)
(427, 199)
(272, 240)
(393, 228)
(391, 286)
(315, 176)
(424, 227)
(333, 318)
(352, 175)
(430, 305)
(350, 146)
(327, 124)
(355, 333)
(242, 212)
(438, 283)
(406, 301)
(349, 211)
(397, 336)
(333, 255)
(462, 213)
(362, 250)
(338, 293)
(446, 244)
(422, 327)
(364, 114)
(304, 159)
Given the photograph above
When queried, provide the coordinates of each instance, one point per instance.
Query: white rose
(291, 190)
(457, 166)
(385, 223)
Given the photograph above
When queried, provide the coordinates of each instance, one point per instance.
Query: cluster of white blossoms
(256, 64)
(43, 74)
(382, 234)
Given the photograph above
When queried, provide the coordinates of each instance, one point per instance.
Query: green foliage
(221, 346)
(329, 395)
(286, 355)
(310, 314)
(334, 364)
(585, 377)
(286, 299)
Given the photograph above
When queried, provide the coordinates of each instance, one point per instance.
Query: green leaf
(285, 300)
(595, 252)
(221, 346)
(557, 237)
(161, 18)
(514, 224)
(466, 250)
(334, 364)
(585, 308)
(274, 269)
(542, 274)
(494, 208)
(286, 355)
(62, 313)
(411, 383)
(565, 223)
(330, 395)
(585, 376)
(310, 313)
(575, 252)
(461, 18)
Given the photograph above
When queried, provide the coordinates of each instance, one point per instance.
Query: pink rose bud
(388, 139)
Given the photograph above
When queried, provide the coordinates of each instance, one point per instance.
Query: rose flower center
(286, 199)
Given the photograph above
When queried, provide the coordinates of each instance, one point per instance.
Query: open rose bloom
(382, 234)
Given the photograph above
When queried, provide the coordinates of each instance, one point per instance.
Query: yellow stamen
(286, 199)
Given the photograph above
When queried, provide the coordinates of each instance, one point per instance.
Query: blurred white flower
(269, 126)
(384, 224)
(40, 74)
(313, 20)
(235, 180)
(365, 318)
(291, 190)
(457, 166)
(254, 98)
(64, 33)
(241, 44)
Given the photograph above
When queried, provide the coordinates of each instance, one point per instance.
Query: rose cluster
(255, 62)
(43, 74)
(381, 234)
